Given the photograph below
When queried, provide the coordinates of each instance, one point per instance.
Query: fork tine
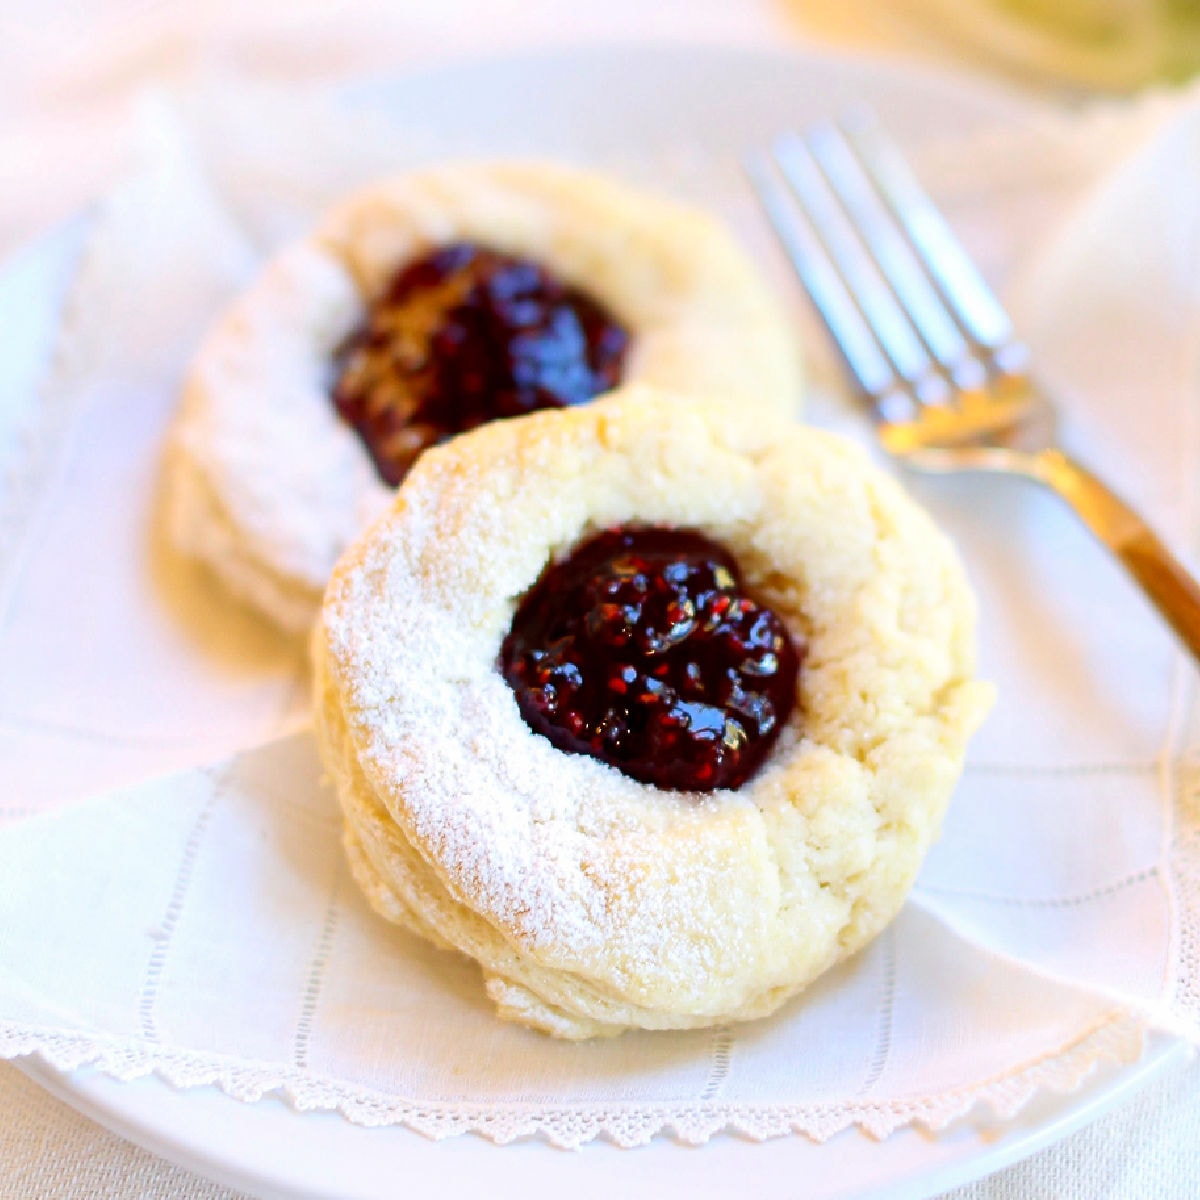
(849, 258)
(957, 279)
(894, 256)
(871, 370)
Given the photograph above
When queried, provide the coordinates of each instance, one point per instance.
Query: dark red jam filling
(463, 336)
(643, 650)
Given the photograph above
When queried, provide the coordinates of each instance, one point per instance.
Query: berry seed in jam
(643, 650)
(463, 336)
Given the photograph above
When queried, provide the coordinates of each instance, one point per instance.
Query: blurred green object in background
(1122, 43)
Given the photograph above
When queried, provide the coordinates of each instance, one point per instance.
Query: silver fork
(928, 344)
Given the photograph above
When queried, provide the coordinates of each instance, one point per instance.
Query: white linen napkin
(203, 926)
(121, 660)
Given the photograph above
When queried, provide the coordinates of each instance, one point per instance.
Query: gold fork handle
(1164, 580)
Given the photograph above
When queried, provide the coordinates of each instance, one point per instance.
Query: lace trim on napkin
(1184, 985)
(1186, 861)
(1117, 1038)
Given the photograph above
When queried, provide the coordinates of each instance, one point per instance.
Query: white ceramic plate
(637, 99)
(272, 1152)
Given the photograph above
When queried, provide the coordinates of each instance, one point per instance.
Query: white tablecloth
(70, 71)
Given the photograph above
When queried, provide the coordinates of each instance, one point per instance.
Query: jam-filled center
(643, 649)
(465, 335)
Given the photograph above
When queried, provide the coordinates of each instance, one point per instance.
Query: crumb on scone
(595, 902)
(268, 482)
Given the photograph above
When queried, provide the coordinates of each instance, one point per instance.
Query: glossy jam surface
(463, 336)
(642, 649)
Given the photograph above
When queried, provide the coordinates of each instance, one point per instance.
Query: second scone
(422, 306)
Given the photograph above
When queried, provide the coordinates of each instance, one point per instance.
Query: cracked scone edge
(592, 902)
(266, 485)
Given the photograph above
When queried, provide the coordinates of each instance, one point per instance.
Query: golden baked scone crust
(268, 486)
(593, 902)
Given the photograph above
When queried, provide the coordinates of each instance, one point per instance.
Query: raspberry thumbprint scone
(650, 708)
(422, 308)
